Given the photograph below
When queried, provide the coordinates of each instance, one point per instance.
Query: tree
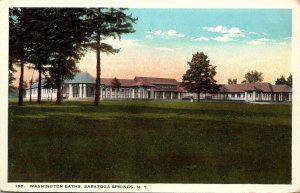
(65, 30)
(290, 81)
(100, 24)
(232, 81)
(116, 84)
(20, 36)
(199, 78)
(254, 76)
(281, 80)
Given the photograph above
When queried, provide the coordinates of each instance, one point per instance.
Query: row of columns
(139, 93)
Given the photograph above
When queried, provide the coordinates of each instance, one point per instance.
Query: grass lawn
(150, 142)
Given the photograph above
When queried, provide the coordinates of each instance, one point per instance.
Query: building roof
(124, 82)
(81, 77)
(154, 80)
(262, 87)
(36, 84)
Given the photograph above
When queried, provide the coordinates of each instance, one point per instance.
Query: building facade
(83, 87)
(250, 92)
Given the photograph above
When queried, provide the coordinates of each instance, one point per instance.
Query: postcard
(139, 96)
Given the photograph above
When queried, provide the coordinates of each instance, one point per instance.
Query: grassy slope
(151, 142)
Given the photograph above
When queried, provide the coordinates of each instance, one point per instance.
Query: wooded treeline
(53, 40)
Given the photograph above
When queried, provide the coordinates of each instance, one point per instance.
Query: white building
(83, 87)
(250, 92)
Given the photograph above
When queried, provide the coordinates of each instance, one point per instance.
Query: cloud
(222, 38)
(224, 29)
(202, 38)
(164, 49)
(229, 34)
(116, 43)
(171, 33)
(259, 41)
(149, 36)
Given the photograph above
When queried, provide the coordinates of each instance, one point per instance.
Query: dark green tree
(20, 37)
(116, 84)
(199, 78)
(281, 80)
(232, 81)
(65, 32)
(290, 81)
(254, 76)
(100, 24)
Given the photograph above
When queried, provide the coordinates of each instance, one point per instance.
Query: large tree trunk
(21, 83)
(58, 82)
(30, 91)
(198, 96)
(40, 85)
(98, 70)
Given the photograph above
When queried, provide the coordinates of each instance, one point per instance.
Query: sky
(235, 40)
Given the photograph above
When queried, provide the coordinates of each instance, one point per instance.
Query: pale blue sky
(235, 40)
(210, 26)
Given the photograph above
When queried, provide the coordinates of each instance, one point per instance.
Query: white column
(84, 91)
(133, 92)
(110, 93)
(80, 91)
(163, 94)
(179, 95)
(70, 91)
(171, 95)
(254, 96)
(101, 92)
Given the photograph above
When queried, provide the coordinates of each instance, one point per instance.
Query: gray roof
(83, 78)
(36, 84)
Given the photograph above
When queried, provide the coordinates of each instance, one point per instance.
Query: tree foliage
(283, 80)
(254, 76)
(20, 38)
(232, 81)
(115, 83)
(102, 23)
(54, 39)
(199, 78)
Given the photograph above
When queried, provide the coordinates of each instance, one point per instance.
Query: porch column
(80, 91)
(155, 95)
(163, 94)
(179, 95)
(151, 93)
(84, 91)
(290, 96)
(70, 91)
(101, 92)
(110, 92)
(171, 95)
(133, 92)
(254, 95)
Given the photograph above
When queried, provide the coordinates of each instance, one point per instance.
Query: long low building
(83, 87)
(250, 92)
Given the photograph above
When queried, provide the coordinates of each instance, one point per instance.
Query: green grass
(150, 142)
